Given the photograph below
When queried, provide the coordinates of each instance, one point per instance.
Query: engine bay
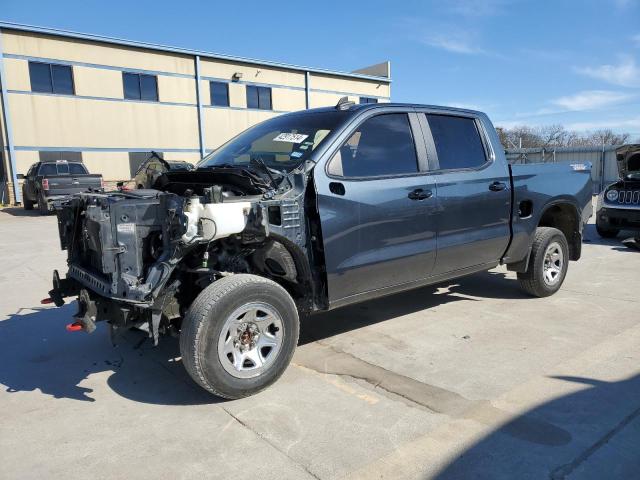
(142, 256)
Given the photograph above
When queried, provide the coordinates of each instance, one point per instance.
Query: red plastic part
(74, 327)
(44, 301)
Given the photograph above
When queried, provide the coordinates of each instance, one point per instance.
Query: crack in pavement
(326, 359)
(561, 472)
(267, 441)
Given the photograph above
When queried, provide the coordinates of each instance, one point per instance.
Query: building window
(219, 94)
(51, 78)
(368, 100)
(259, 97)
(138, 86)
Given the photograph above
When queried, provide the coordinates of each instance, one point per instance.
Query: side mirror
(20, 176)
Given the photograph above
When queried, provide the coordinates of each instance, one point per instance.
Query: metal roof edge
(183, 51)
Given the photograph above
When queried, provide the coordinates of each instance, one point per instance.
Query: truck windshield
(282, 143)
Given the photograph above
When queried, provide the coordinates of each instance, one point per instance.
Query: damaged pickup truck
(310, 211)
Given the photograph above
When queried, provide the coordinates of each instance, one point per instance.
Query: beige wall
(222, 124)
(360, 87)
(75, 50)
(107, 121)
(62, 121)
(251, 73)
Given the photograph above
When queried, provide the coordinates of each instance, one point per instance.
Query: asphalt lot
(464, 380)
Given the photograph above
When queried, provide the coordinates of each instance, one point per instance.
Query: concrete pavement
(470, 379)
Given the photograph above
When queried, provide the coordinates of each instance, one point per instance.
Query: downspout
(306, 90)
(203, 148)
(8, 128)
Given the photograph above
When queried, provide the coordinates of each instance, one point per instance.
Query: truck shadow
(591, 236)
(601, 432)
(492, 284)
(37, 353)
(21, 212)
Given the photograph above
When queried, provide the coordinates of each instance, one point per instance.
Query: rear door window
(458, 142)
(383, 145)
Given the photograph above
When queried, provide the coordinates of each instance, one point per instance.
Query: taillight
(102, 183)
(45, 184)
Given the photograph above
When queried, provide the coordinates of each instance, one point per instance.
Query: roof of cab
(372, 106)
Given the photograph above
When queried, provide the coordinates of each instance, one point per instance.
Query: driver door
(377, 204)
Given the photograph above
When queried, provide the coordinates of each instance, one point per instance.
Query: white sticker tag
(126, 227)
(290, 138)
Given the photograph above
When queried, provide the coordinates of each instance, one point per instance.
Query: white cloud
(591, 99)
(620, 124)
(624, 4)
(456, 42)
(626, 73)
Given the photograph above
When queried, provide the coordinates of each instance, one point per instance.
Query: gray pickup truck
(46, 182)
(311, 211)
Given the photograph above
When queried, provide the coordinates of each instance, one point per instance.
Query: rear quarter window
(458, 142)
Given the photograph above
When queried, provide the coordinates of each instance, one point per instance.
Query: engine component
(212, 221)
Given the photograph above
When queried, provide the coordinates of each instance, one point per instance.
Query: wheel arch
(564, 215)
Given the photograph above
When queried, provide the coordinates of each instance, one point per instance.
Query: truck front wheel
(547, 264)
(239, 335)
(606, 232)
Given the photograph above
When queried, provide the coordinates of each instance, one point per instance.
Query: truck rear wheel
(43, 206)
(26, 203)
(547, 264)
(239, 335)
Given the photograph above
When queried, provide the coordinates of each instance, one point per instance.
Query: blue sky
(524, 62)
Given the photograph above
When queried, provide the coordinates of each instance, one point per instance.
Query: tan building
(109, 102)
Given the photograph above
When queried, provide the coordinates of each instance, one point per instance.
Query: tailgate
(68, 184)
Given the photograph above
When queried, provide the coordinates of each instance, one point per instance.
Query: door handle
(497, 186)
(420, 194)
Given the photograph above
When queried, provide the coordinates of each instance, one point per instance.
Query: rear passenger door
(376, 202)
(473, 192)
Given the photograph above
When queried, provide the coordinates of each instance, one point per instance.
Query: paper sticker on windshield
(290, 137)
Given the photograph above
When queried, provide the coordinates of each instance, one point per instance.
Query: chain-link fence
(604, 169)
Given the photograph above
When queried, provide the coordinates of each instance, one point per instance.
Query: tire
(43, 207)
(26, 203)
(215, 319)
(548, 263)
(605, 232)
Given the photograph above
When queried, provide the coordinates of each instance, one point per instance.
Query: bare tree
(551, 136)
